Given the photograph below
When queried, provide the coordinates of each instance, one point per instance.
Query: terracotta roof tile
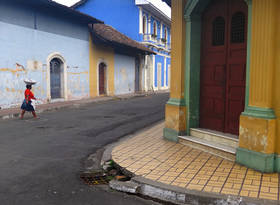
(110, 34)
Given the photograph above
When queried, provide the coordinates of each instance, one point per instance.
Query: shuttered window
(238, 28)
(218, 32)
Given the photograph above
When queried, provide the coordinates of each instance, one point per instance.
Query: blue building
(143, 22)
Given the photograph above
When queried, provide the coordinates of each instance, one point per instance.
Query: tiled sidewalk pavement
(152, 157)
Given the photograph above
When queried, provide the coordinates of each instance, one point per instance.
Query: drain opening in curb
(109, 172)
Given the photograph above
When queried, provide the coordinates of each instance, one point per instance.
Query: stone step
(221, 150)
(215, 137)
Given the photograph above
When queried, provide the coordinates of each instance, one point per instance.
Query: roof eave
(153, 9)
(115, 44)
(78, 4)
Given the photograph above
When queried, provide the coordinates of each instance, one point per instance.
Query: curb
(178, 195)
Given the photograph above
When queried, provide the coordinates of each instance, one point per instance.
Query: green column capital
(258, 112)
(176, 102)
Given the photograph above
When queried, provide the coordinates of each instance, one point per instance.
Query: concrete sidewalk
(15, 112)
(180, 169)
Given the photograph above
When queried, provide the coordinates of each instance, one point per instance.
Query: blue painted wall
(123, 15)
(124, 74)
(24, 51)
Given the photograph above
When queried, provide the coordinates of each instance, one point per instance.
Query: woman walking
(26, 105)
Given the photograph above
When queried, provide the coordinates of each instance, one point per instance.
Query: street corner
(176, 172)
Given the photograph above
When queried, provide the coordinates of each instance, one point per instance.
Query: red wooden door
(223, 65)
(101, 79)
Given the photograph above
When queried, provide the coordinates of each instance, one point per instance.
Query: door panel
(101, 79)
(213, 67)
(236, 64)
(223, 65)
(55, 74)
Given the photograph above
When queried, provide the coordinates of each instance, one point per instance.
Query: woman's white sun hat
(29, 81)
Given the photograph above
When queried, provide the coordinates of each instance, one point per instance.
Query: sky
(158, 3)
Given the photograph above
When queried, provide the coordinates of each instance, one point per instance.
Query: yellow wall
(263, 42)
(178, 52)
(175, 115)
(175, 118)
(276, 92)
(98, 54)
(257, 134)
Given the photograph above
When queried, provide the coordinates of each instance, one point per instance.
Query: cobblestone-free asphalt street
(40, 159)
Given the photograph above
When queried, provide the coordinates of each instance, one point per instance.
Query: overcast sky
(158, 3)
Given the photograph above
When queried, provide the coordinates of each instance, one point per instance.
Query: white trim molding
(65, 89)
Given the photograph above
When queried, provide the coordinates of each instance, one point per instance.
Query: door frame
(64, 89)
(106, 77)
(193, 12)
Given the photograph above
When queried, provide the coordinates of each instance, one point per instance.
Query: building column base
(171, 135)
(257, 137)
(277, 163)
(255, 160)
(175, 119)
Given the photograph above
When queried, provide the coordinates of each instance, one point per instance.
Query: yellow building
(116, 62)
(224, 96)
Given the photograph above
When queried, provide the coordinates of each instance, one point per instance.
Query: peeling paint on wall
(175, 118)
(18, 63)
(257, 134)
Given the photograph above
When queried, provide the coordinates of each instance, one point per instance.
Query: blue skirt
(27, 106)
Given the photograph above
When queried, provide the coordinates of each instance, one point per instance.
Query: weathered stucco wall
(124, 74)
(24, 52)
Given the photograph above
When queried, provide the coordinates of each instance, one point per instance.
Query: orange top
(28, 95)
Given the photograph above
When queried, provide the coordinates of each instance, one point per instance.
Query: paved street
(40, 159)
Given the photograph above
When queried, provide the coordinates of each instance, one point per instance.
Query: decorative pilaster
(175, 120)
(260, 59)
(257, 123)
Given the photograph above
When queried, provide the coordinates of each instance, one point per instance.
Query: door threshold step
(221, 150)
(215, 137)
